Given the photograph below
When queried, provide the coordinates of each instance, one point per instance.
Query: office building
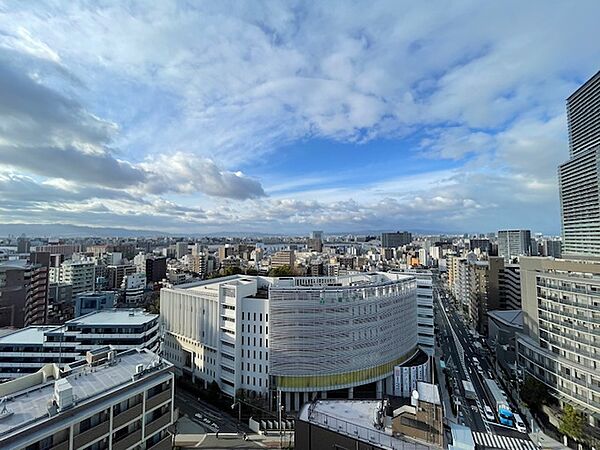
(395, 240)
(514, 243)
(23, 245)
(181, 249)
(315, 242)
(156, 268)
(89, 302)
(579, 177)
(552, 247)
(116, 274)
(66, 250)
(283, 258)
(300, 336)
(106, 401)
(28, 349)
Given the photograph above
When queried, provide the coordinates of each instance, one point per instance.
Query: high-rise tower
(579, 177)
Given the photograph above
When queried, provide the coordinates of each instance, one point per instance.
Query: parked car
(519, 424)
(489, 414)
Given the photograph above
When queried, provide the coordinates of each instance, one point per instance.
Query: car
(489, 414)
(519, 424)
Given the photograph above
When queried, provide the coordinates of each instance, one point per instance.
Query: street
(461, 357)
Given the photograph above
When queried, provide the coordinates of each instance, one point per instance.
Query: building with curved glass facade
(302, 337)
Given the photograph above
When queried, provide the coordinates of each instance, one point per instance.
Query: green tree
(282, 271)
(154, 307)
(534, 393)
(232, 271)
(571, 422)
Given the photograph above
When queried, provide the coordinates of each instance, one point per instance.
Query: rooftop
(29, 335)
(511, 318)
(30, 405)
(115, 317)
(355, 418)
(428, 393)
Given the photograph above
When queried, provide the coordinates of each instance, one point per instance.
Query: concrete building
(579, 177)
(23, 293)
(561, 324)
(156, 268)
(514, 243)
(117, 402)
(181, 249)
(23, 245)
(133, 287)
(503, 327)
(349, 424)
(300, 336)
(66, 250)
(552, 247)
(423, 419)
(283, 258)
(78, 273)
(116, 274)
(60, 303)
(395, 240)
(28, 349)
(425, 322)
(89, 302)
(407, 374)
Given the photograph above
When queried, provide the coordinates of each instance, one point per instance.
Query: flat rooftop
(29, 335)
(30, 406)
(354, 418)
(114, 317)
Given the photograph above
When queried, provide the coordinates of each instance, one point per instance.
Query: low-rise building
(107, 401)
(28, 349)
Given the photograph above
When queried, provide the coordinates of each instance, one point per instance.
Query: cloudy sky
(286, 116)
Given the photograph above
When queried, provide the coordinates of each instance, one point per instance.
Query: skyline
(192, 119)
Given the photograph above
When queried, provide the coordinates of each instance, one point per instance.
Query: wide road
(456, 339)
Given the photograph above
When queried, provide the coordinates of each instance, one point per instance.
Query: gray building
(395, 240)
(106, 401)
(514, 243)
(579, 176)
(88, 302)
(503, 327)
(60, 303)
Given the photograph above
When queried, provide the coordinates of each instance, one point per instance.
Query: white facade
(134, 286)
(408, 374)
(305, 335)
(78, 273)
(28, 349)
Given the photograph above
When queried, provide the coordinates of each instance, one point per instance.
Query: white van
(519, 424)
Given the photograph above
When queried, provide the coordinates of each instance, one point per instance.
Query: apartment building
(561, 324)
(300, 336)
(120, 402)
(78, 273)
(28, 349)
(514, 243)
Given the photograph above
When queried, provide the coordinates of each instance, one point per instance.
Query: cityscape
(309, 226)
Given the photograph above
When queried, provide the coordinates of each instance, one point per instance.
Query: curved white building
(303, 337)
(330, 333)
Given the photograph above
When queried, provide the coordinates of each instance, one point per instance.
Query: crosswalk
(502, 442)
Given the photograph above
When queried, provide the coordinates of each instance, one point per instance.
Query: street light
(239, 405)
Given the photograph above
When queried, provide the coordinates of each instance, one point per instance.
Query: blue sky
(289, 116)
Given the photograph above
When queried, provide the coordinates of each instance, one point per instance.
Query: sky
(283, 117)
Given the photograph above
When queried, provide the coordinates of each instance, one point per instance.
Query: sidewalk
(448, 412)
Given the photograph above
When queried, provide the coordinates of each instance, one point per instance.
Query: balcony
(128, 441)
(158, 399)
(91, 435)
(157, 424)
(127, 416)
(62, 446)
(163, 444)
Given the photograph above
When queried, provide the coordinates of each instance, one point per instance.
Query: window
(261, 317)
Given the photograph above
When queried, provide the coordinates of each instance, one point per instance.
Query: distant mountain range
(71, 231)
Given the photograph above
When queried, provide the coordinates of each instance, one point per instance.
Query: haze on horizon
(286, 117)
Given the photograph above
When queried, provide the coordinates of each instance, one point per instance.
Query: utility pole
(279, 408)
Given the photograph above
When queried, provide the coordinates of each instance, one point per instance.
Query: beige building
(283, 258)
(560, 343)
